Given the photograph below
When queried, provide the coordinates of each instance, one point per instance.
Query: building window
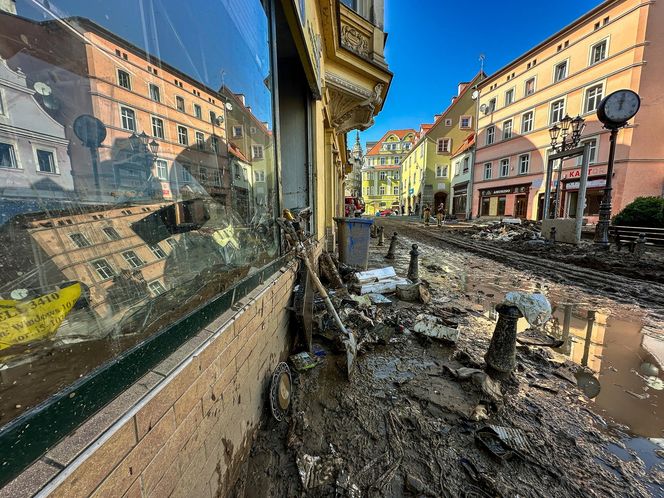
(103, 269)
(383, 161)
(155, 94)
(200, 140)
(487, 171)
(259, 176)
(397, 160)
(530, 87)
(383, 175)
(593, 97)
(128, 118)
(238, 131)
(441, 171)
(257, 152)
(111, 233)
(46, 161)
(598, 52)
(124, 80)
(557, 111)
(162, 169)
(395, 190)
(132, 259)
(509, 96)
(183, 135)
(214, 143)
(560, 72)
(466, 165)
(527, 120)
(592, 156)
(504, 167)
(507, 129)
(492, 105)
(79, 240)
(490, 135)
(157, 251)
(524, 164)
(157, 128)
(448, 122)
(156, 288)
(465, 122)
(179, 103)
(198, 112)
(444, 145)
(395, 175)
(381, 190)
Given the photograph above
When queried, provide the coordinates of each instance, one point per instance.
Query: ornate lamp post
(614, 112)
(569, 132)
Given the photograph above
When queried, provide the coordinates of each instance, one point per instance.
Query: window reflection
(136, 175)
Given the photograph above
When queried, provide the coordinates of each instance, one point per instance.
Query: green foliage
(643, 212)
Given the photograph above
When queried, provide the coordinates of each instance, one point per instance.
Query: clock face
(619, 107)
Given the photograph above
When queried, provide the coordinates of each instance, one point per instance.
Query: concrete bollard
(414, 266)
(640, 246)
(501, 355)
(552, 236)
(393, 247)
(381, 236)
(373, 231)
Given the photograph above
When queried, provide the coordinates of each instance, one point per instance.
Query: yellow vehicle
(37, 319)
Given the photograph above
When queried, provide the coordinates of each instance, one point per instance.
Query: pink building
(619, 44)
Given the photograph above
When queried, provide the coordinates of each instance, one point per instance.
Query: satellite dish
(42, 89)
(476, 94)
(484, 108)
(229, 106)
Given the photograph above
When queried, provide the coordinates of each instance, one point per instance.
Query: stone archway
(437, 199)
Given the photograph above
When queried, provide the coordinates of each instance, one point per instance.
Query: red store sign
(576, 173)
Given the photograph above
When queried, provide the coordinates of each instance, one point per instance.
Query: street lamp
(567, 142)
(154, 148)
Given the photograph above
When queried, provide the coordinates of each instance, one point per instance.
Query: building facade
(427, 168)
(617, 45)
(381, 174)
(154, 293)
(463, 160)
(353, 185)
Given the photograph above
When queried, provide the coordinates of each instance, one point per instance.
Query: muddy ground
(405, 425)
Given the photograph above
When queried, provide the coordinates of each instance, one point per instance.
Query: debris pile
(510, 232)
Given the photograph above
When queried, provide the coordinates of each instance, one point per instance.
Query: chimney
(8, 6)
(241, 97)
(462, 87)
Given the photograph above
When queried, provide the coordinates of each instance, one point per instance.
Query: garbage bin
(353, 239)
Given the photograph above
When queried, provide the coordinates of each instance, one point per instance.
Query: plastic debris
(433, 327)
(303, 361)
(317, 471)
(533, 306)
(380, 281)
(378, 299)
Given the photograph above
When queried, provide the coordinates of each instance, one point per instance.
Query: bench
(630, 235)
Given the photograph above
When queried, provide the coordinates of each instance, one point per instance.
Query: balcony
(370, 10)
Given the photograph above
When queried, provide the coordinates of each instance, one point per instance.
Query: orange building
(617, 45)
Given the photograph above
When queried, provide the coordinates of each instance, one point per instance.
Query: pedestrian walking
(403, 210)
(410, 211)
(440, 213)
(427, 214)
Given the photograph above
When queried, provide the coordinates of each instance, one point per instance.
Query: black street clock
(616, 109)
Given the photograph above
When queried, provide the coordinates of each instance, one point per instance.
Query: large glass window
(139, 223)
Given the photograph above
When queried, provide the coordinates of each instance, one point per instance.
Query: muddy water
(621, 345)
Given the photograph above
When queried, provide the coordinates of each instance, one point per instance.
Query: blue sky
(435, 44)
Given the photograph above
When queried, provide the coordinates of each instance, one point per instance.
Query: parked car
(386, 212)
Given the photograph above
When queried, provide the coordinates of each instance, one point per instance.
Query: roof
(235, 150)
(535, 49)
(478, 77)
(399, 133)
(468, 142)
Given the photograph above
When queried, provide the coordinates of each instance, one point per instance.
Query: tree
(642, 212)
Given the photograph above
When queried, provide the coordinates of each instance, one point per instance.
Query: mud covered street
(583, 419)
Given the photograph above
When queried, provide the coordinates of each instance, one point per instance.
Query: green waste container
(353, 239)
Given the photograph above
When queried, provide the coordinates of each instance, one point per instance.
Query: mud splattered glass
(119, 209)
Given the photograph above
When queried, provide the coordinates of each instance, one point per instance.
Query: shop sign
(505, 190)
(576, 173)
(601, 183)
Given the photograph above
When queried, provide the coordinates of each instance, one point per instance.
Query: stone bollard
(501, 355)
(373, 231)
(640, 246)
(393, 247)
(414, 267)
(552, 236)
(381, 236)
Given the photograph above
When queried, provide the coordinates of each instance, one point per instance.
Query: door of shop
(521, 206)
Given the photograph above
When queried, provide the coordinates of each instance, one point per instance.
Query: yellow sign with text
(27, 321)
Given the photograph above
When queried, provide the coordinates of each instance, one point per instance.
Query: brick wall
(185, 427)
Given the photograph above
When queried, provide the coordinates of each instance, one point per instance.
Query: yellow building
(426, 170)
(381, 174)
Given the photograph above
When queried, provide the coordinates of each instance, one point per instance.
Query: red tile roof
(399, 133)
(468, 142)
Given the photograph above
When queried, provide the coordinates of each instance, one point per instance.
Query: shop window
(502, 200)
(486, 206)
(56, 213)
